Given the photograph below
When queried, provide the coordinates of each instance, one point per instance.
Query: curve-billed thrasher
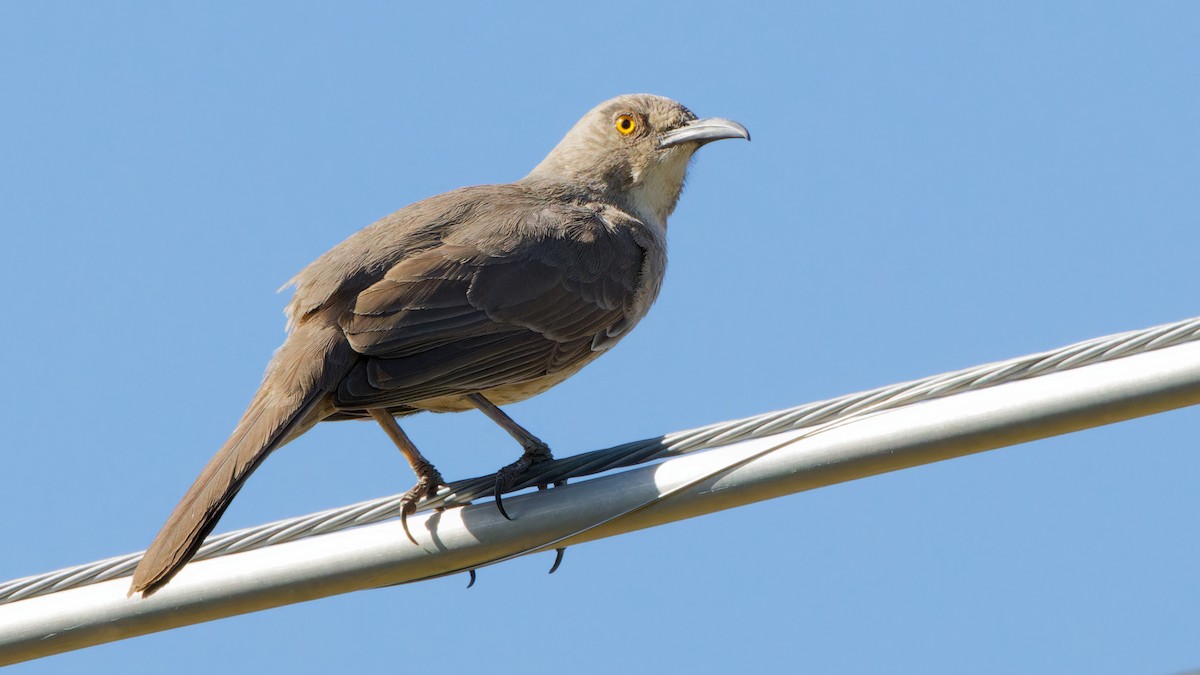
(471, 299)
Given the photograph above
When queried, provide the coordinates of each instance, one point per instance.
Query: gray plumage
(497, 290)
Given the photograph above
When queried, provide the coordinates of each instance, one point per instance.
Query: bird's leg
(532, 444)
(535, 450)
(428, 478)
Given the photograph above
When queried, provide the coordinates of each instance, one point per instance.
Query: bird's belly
(504, 394)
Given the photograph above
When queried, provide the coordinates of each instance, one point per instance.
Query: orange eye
(626, 124)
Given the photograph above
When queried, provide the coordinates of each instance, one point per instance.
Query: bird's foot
(429, 480)
(510, 475)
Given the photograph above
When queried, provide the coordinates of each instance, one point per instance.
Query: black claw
(404, 523)
(558, 557)
(500, 503)
(509, 476)
(426, 486)
(472, 581)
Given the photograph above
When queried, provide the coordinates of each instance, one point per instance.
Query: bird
(471, 299)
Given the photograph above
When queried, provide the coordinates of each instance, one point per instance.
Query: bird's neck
(649, 193)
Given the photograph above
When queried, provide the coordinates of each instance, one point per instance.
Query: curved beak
(704, 131)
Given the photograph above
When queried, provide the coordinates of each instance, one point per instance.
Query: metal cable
(638, 452)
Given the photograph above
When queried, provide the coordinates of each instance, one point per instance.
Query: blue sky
(930, 186)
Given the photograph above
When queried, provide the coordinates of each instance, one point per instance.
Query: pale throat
(657, 187)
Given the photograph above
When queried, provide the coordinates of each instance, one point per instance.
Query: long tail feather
(293, 398)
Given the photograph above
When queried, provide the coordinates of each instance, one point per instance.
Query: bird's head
(634, 149)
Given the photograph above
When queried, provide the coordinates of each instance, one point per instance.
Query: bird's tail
(287, 404)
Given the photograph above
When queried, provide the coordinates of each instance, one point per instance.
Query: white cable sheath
(464, 538)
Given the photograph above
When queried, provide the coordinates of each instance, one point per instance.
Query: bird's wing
(477, 312)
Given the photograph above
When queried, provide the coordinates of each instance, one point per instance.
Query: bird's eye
(626, 124)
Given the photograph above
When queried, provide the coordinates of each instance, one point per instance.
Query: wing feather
(475, 313)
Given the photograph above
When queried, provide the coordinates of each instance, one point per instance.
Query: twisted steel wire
(809, 415)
